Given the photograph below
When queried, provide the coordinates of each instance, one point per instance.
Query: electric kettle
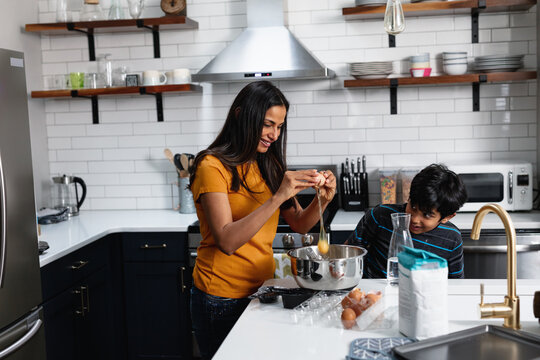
(65, 194)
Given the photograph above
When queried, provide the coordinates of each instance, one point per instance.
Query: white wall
(12, 36)
(122, 159)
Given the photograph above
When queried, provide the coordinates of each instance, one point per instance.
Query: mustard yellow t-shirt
(243, 272)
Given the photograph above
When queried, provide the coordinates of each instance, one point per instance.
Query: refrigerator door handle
(3, 223)
(23, 340)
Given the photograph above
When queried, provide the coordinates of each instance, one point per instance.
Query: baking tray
(479, 343)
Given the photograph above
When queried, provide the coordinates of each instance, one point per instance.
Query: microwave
(507, 184)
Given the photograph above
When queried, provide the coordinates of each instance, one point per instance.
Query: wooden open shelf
(474, 78)
(89, 28)
(444, 79)
(440, 8)
(129, 90)
(124, 25)
(93, 94)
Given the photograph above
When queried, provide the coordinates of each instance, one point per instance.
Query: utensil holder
(187, 206)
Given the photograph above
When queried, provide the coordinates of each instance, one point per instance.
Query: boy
(436, 194)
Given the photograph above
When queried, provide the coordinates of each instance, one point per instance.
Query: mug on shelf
(178, 76)
(154, 77)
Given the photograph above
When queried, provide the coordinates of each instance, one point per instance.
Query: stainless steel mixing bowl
(341, 268)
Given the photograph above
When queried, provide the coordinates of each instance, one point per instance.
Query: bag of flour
(423, 294)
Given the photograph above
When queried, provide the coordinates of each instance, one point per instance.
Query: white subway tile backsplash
(446, 132)
(141, 141)
(126, 154)
(111, 167)
(471, 145)
(67, 167)
(109, 129)
(463, 118)
(122, 161)
(513, 117)
(519, 144)
(500, 131)
(128, 191)
(100, 142)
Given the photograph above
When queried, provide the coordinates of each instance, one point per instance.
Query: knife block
(354, 202)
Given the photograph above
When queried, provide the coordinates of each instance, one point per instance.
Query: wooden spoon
(169, 155)
(184, 161)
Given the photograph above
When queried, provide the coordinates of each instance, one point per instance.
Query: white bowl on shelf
(455, 69)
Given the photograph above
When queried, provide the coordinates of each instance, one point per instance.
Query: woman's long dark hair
(239, 138)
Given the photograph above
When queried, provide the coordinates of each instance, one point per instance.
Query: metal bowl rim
(364, 252)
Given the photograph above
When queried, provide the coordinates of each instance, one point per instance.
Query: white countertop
(268, 331)
(68, 236)
(347, 220)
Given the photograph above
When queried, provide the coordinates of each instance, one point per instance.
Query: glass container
(115, 11)
(105, 70)
(394, 21)
(91, 11)
(135, 8)
(401, 237)
(62, 12)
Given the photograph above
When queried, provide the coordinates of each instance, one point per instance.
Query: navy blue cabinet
(156, 293)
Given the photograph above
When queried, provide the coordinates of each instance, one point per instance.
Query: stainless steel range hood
(266, 49)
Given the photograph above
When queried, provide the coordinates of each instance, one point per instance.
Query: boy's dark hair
(436, 187)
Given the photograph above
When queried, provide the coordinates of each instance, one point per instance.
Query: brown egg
(358, 309)
(348, 318)
(374, 297)
(346, 302)
(320, 179)
(356, 295)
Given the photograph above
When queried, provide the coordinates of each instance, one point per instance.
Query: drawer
(166, 246)
(72, 268)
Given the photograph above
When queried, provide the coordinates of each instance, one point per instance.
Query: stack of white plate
(369, 2)
(493, 63)
(371, 70)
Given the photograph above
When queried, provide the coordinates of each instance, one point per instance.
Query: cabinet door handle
(79, 264)
(87, 289)
(146, 246)
(80, 291)
(183, 287)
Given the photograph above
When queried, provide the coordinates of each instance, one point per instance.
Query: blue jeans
(212, 318)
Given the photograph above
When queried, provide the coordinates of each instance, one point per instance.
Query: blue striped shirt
(374, 231)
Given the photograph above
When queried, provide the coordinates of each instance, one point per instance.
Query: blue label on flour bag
(415, 259)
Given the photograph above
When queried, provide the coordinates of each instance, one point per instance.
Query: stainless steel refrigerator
(21, 324)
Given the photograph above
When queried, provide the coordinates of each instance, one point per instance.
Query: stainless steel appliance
(21, 327)
(506, 184)
(65, 193)
(486, 257)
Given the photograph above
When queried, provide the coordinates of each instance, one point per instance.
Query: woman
(240, 186)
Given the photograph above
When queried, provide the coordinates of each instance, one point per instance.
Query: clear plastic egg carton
(325, 309)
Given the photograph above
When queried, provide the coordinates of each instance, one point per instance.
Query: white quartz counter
(269, 331)
(347, 220)
(68, 236)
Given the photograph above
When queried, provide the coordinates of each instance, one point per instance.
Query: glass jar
(91, 11)
(105, 70)
(62, 12)
(115, 11)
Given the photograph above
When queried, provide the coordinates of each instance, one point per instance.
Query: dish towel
(283, 266)
(375, 348)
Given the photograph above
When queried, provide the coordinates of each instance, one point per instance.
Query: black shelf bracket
(159, 102)
(392, 40)
(476, 92)
(474, 20)
(155, 35)
(95, 107)
(393, 96)
(90, 35)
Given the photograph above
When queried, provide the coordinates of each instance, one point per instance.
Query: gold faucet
(509, 309)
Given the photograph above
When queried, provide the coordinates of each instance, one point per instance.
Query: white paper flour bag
(423, 294)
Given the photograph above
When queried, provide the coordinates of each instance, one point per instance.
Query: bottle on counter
(401, 238)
